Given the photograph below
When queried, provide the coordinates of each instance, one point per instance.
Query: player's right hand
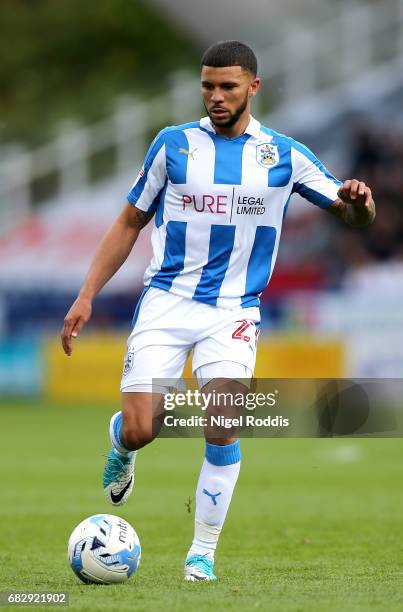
(74, 321)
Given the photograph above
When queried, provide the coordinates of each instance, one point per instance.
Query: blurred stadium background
(85, 90)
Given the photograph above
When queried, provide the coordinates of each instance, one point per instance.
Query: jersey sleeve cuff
(133, 200)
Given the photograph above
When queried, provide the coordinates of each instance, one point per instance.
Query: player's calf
(141, 419)
(135, 436)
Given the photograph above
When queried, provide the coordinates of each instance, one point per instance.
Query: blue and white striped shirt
(219, 206)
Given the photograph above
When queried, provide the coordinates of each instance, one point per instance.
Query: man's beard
(233, 118)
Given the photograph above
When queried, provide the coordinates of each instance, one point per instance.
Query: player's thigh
(227, 351)
(222, 371)
(223, 362)
(224, 382)
(152, 368)
(148, 373)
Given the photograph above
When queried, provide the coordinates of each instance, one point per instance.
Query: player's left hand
(356, 193)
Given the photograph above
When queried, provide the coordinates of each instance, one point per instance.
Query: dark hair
(230, 53)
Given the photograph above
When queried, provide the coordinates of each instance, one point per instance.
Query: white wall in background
(252, 21)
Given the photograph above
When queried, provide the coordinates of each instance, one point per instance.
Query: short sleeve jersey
(219, 207)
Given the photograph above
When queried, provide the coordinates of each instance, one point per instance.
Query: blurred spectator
(377, 158)
(319, 253)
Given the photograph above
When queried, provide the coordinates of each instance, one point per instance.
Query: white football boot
(118, 477)
(198, 568)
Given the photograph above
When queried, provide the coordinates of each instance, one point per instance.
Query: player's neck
(234, 130)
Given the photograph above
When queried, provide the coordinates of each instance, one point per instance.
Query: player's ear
(254, 87)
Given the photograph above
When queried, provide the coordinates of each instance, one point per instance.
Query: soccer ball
(104, 549)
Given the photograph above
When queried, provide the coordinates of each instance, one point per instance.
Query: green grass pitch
(314, 524)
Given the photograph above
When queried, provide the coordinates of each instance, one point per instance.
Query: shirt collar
(253, 127)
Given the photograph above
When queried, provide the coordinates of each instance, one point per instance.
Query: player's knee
(220, 441)
(136, 435)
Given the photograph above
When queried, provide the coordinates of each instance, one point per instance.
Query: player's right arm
(117, 243)
(112, 252)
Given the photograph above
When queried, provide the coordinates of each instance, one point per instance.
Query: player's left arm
(354, 205)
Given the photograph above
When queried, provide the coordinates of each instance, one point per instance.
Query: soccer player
(218, 190)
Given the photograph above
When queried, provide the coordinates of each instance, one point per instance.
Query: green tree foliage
(71, 58)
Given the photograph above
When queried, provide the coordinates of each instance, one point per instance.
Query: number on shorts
(239, 333)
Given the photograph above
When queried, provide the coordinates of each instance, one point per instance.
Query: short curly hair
(230, 53)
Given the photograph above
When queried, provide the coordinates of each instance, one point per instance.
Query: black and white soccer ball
(104, 549)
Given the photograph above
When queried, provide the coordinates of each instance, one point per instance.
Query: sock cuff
(114, 429)
(117, 424)
(223, 455)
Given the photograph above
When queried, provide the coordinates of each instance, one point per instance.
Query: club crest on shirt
(128, 362)
(267, 155)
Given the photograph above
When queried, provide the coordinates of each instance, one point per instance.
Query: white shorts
(167, 327)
